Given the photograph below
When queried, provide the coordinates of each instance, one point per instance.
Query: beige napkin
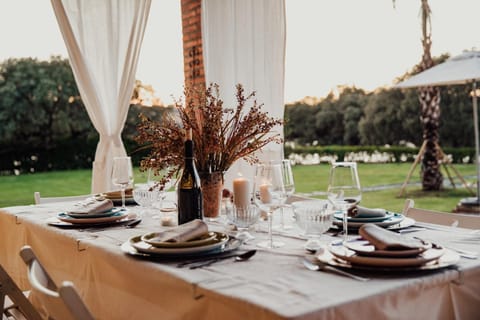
(383, 239)
(363, 212)
(118, 194)
(183, 232)
(91, 205)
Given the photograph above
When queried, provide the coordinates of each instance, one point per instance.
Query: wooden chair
(13, 302)
(60, 302)
(38, 199)
(448, 219)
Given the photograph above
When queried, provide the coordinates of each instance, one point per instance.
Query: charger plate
(396, 219)
(108, 213)
(53, 221)
(353, 258)
(364, 248)
(448, 259)
(207, 238)
(388, 215)
(116, 216)
(230, 245)
(141, 246)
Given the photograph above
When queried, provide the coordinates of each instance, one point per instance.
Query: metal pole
(475, 122)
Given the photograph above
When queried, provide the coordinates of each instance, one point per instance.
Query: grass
(18, 190)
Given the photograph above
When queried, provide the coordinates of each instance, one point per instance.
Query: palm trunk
(429, 97)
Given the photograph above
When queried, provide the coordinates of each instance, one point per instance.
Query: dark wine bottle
(189, 191)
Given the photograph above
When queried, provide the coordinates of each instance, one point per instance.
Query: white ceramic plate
(449, 258)
(210, 237)
(395, 219)
(388, 215)
(116, 216)
(364, 248)
(144, 247)
(355, 259)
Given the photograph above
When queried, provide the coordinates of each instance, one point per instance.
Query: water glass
(314, 218)
(243, 218)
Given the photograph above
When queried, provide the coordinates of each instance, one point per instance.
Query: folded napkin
(383, 239)
(118, 194)
(91, 205)
(183, 232)
(363, 212)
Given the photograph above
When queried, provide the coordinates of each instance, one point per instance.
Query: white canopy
(103, 39)
(244, 42)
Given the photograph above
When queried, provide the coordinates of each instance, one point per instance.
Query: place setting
(96, 212)
(380, 249)
(191, 242)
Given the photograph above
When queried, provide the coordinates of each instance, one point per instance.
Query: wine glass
(344, 190)
(269, 195)
(122, 175)
(289, 186)
(314, 218)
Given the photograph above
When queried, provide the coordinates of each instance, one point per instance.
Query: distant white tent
(461, 69)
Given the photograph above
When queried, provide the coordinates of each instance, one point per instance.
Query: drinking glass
(344, 189)
(269, 195)
(122, 175)
(243, 218)
(314, 218)
(289, 186)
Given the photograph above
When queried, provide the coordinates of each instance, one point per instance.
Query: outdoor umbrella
(461, 69)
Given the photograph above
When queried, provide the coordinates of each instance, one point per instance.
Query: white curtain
(244, 42)
(103, 40)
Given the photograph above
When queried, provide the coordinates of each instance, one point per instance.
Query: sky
(330, 43)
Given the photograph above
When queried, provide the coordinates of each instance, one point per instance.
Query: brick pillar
(192, 43)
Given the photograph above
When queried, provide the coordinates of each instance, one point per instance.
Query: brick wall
(192, 43)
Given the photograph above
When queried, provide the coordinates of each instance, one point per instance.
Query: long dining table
(273, 284)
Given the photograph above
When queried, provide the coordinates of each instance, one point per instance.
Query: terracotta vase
(212, 187)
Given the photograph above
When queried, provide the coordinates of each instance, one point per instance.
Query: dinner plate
(116, 216)
(108, 213)
(231, 245)
(449, 258)
(207, 238)
(353, 258)
(54, 221)
(395, 219)
(388, 215)
(364, 248)
(144, 247)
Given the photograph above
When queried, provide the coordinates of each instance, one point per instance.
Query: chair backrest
(60, 302)
(13, 303)
(38, 199)
(447, 219)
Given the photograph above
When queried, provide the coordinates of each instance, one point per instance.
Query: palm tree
(429, 98)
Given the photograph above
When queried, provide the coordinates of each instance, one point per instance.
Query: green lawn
(18, 190)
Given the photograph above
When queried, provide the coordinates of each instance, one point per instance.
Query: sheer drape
(103, 40)
(244, 42)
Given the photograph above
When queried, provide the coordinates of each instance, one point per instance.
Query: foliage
(220, 135)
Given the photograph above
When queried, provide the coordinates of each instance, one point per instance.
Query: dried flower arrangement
(221, 135)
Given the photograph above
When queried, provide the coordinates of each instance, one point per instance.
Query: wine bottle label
(187, 182)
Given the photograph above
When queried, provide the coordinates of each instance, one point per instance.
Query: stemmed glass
(344, 190)
(313, 217)
(269, 195)
(122, 175)
(289, 186)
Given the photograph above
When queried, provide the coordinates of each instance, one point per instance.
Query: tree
(429, 98)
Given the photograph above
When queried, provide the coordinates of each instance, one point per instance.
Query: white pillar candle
(241, 192)
(265, 195)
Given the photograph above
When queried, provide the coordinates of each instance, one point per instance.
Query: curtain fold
(103, 40)
(244, 42)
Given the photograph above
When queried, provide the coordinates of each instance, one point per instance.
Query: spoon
(319, 266)
(238, 258)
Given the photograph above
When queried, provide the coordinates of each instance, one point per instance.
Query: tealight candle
(241, 192)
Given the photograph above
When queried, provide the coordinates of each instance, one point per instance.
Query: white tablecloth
(271, 285)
